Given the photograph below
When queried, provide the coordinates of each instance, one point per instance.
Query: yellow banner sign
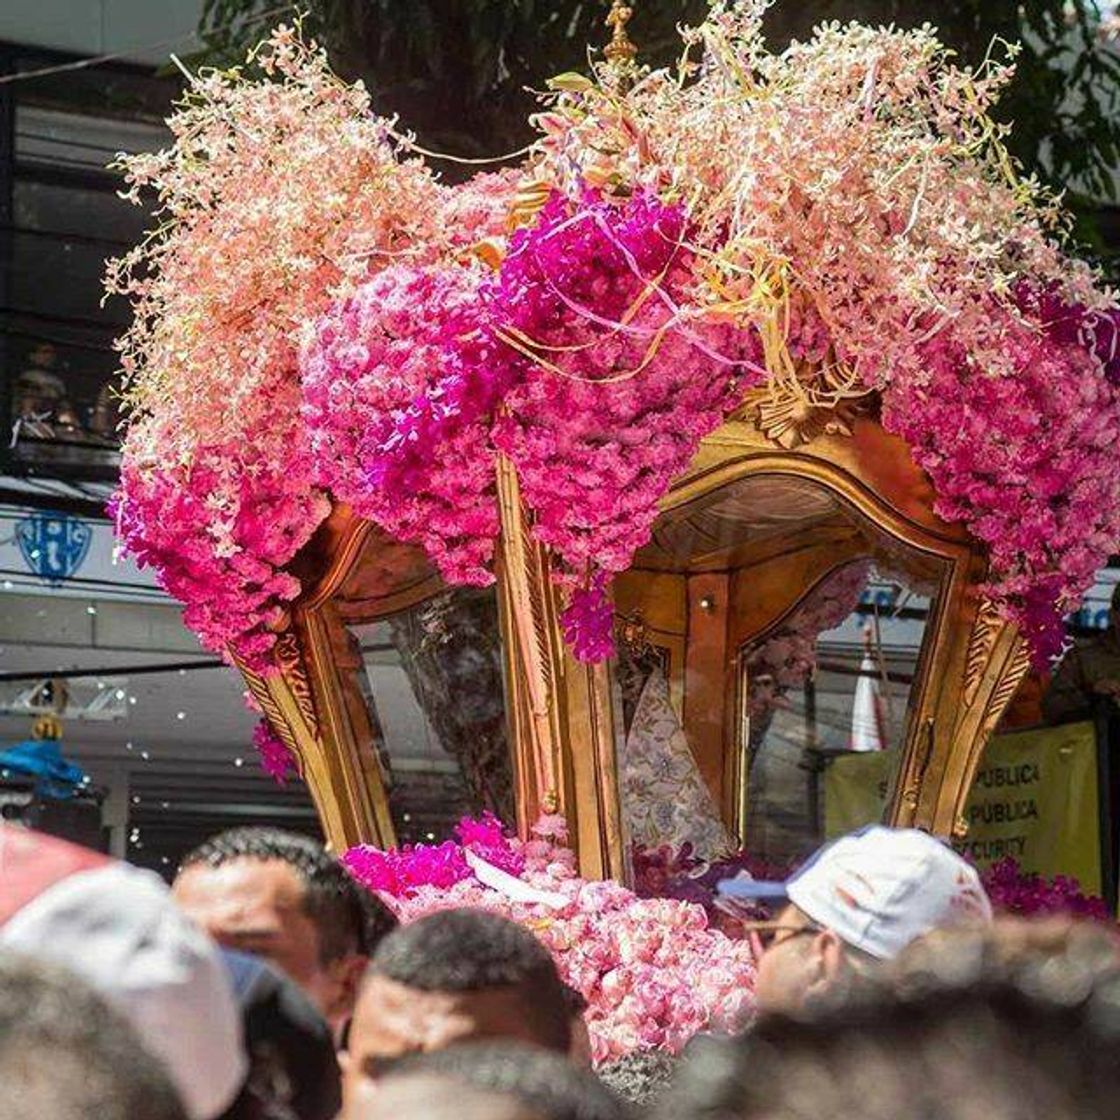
(1035, 799)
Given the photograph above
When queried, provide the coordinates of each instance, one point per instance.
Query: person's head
(1114, 610)
(118, 928)
(486, 1081)
(858, 902)
(293, 1069)
(640, 1078)
(283, 897)
(966, 1027)
(579, 1048)
(44, 355)
(67, 1055)
(454, 976)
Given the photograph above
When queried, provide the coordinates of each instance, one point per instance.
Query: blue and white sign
(53, 545)
(46, 552)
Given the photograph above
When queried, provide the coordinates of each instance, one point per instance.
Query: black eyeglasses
(763, 936)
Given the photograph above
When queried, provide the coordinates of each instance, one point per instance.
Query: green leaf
(571, 82)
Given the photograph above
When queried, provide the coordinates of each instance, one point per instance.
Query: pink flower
(486, 838)
(652, 971)
(1014, 891)
(275, 758)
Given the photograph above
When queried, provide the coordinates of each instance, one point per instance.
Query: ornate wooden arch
(561, 714)
(972, 663)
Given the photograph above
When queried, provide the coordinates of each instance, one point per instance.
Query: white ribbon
(509, 885)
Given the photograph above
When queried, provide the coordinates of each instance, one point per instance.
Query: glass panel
(81, 141)
(64, 409)
(826, 710)
(433, 688)
(769, 638)
(80, 210)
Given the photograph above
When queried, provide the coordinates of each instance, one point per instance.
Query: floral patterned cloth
(664, 798)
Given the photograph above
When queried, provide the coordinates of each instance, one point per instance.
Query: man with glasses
(858, 901)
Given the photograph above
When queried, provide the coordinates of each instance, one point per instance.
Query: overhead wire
(130, 52)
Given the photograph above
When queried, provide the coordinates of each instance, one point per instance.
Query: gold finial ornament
(47, 727)
(620, 49)
(620, 52)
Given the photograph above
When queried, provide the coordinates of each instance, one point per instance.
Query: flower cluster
(652, 970)
(401, 872)
(275, 758)
(217, 492)
(314, 319)
(1046, 507)
(1015, 891)
(624, 381)
(397, 398)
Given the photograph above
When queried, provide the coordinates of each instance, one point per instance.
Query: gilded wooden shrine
(777, 499)
(776, 309)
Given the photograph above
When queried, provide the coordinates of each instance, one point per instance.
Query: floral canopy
(318, 318)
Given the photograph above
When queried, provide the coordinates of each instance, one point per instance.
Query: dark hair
(349, 919)
(546, 1083)
(967, 1024)
(640, 1078)
(471, 951)
(574, 1000)
(67, 1055)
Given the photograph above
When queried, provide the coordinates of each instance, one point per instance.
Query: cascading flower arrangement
(652, 970)
(318, 319)
(852, 200)
(216, 489)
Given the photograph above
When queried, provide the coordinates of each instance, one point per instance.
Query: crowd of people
(266, 985)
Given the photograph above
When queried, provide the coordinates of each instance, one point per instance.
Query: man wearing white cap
(859, 900)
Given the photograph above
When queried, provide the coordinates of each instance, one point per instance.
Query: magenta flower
(653, 971)
(276, 760)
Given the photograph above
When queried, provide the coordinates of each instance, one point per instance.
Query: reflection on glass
(831, 681)
(769, 634)
(433, 689)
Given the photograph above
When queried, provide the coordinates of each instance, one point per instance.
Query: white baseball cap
(878, 889)
(118, 928)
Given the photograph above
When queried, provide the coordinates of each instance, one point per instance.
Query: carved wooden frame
(562, 714)
(311, 701)
(971, 665)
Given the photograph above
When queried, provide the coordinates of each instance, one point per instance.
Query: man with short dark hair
(283, 897)
(65, 1054)
(450, 977)
(486, 1081)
